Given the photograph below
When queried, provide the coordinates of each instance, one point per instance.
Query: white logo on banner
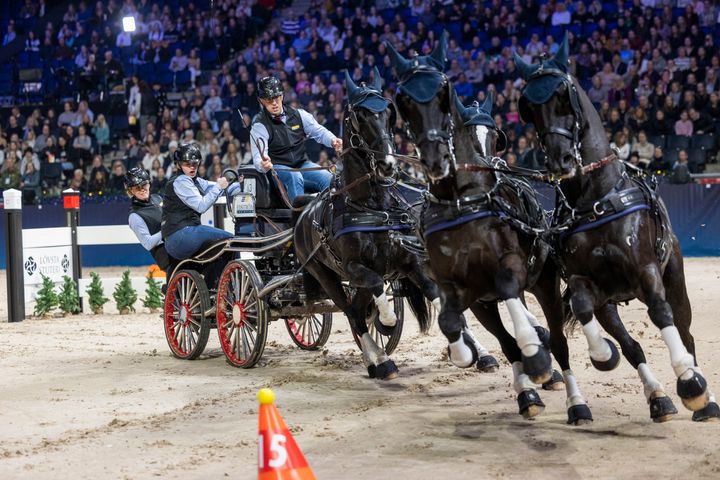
(53, 262)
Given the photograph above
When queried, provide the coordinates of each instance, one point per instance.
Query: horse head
(368, 119)
(552, 101)
(487, 139)
(424, 101)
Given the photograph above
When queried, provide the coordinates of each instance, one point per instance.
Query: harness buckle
(596, 209)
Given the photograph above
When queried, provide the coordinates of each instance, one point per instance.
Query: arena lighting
(129, 24)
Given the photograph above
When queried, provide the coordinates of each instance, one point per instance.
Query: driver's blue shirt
(188, 193)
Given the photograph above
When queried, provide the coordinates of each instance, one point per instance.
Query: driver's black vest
(175, 214)
(286, 142)
(151, 213)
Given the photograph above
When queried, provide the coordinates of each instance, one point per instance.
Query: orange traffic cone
(279, 457)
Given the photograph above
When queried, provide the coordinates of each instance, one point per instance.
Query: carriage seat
(267, 195)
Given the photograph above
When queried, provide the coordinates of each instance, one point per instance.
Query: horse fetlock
(520, 380)
(462, 352)
(600, 349)
(651, 386)
(387, 315)
(482, 351)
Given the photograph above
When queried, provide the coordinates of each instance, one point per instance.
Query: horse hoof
(372, 371)
(487, 364)
(384, 329)
(386, 370)
(556, 382)
(579, 415)
(538, 367)
(693, 392)
(530, 404)
(711, 413)
(662, 408)
(611, 363)
(544, 336)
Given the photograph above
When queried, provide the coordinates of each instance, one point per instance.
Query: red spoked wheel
(242, 320)
(387, 342)
(311, 331)
(186, 304)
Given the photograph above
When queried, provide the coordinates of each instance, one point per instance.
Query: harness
(358, 218)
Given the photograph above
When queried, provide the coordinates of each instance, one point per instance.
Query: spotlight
(128, 24)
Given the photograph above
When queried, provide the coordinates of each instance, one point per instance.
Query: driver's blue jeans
(297, 183)
(188, 240)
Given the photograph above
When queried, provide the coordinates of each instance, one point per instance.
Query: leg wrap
(598, 347)
(525, 335)
(682, 362)
(387, 315)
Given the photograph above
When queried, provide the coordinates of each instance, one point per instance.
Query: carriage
(261, 281)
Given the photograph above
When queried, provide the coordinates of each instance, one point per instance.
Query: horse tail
(299, 204)
(569, 320)
(417, 302)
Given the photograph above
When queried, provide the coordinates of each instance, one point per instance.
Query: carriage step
(303, 310)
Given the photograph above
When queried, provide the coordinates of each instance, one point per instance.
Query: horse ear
(400, 63)
(439, 53)
(524, 68)
(563, 53)
(350, 85)
(377, 79)
(487, 105)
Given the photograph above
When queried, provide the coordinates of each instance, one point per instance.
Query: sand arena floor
(101, 397)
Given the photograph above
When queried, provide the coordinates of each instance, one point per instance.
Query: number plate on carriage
(244, 205)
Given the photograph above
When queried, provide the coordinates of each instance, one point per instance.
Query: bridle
(433, 134)
(358, 143)
(578, 117)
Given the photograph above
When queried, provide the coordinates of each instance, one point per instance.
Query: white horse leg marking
(387, 315)
(525, 335)
(437, 305)
(460, 354)
(520, 380)
(574, 397)
(599, 349)
(375, 354)
(682, 362)
(650, 384)
(531, 318)
(482, 351)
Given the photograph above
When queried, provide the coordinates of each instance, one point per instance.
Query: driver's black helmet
(269, 87)
(135, 177)
(188, 153)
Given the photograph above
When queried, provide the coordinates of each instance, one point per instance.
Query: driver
(186, 198)
(146, 215)
(283, 130)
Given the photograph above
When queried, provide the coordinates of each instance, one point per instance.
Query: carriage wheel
(242, 320)
(388, 342)
(186, 325)
(311, 331)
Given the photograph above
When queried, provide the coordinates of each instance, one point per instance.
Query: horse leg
(529, 403)
(676, 293)
(486, 362)
(691, 385)
(535, 357)
(364, 277)
(556, 381)
(378, 362)
(548, 295)
(461, 348)
(603, 353)
(661, 406)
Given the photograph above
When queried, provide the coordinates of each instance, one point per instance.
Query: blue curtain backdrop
(694, 212)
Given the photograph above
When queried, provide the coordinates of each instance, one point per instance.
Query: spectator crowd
(189, 73)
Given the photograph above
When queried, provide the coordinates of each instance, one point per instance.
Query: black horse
(345, 233)
(616, 242)
(481, 232)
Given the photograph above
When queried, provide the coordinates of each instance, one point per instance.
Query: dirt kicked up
(101, 397)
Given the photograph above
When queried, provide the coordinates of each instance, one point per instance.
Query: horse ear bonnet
(421, 76)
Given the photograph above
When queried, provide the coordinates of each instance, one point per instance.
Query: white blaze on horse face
(482, 132)
(390, 158)
(387, 315)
